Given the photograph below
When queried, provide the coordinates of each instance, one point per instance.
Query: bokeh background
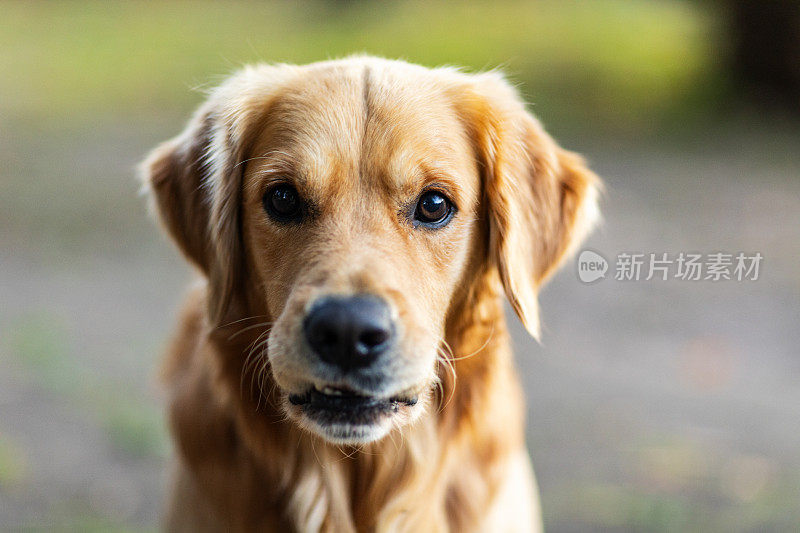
(653, 406)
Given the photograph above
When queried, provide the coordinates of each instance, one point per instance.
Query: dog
(343, 363)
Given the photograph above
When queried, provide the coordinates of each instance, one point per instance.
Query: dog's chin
(341, 416)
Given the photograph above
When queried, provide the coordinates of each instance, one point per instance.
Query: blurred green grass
(13, 462)
(78, 517)
(619, 64)
(134, 425)
(674, 483)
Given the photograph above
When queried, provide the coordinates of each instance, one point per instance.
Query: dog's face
(369, 194)
(353, 203)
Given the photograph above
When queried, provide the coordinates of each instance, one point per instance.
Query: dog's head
(352, 203)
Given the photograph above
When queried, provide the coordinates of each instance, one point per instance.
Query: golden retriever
(345, 364)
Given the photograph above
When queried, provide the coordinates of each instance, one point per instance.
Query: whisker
(314, 449)
(258, 339)
(241, 320)
(248, 328)
(484, 345)
(449, 352)
(254, 353)
(267, 156)
(449, 365)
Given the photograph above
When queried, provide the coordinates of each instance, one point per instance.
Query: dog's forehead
(378, 124)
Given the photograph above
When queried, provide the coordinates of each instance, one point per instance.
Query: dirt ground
(653, 405)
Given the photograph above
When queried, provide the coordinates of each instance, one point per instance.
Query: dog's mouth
(343, 415)
(346, 401)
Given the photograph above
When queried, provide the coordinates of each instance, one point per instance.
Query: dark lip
(347, 401)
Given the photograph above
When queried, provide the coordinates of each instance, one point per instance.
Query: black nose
(349, 332)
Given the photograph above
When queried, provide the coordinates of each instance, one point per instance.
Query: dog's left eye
(282, 202)
(433, 210)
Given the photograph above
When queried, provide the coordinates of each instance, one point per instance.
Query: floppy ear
(195, 180)
(194, 188)
(540, 200)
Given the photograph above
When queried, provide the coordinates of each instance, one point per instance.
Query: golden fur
(360, 136)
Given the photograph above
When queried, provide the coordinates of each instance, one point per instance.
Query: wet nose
(349, 331)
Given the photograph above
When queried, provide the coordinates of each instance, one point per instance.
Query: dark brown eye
(282, 202)
(434, 210)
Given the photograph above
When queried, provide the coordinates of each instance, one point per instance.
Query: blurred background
(653, 405)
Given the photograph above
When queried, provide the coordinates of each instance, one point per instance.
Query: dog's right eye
(282, 202)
